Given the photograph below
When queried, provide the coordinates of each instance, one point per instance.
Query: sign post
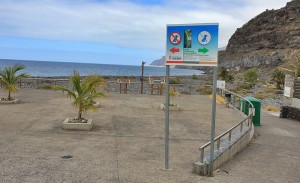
(142, 77)
(167, 118)
(192, 45)
(213, 124)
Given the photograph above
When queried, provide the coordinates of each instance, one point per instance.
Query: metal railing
(235, 98)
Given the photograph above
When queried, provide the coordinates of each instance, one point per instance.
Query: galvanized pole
(213, 121)
(167, 118)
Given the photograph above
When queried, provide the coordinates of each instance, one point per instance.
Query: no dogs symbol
(175, 38)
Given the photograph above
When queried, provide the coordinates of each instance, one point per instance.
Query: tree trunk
(277, 85)
(8, 98)
(79, 112)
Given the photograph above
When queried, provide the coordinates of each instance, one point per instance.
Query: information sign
(221, 84)
(193, 45)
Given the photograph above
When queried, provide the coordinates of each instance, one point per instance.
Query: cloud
(130, 24)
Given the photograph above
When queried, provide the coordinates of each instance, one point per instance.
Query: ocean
(52, 69)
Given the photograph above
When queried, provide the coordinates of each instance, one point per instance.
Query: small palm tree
(294, 67)
(9, 78)
(250, 76)
(83, 92)
(173, 94)
(278, 76)
(225, 75)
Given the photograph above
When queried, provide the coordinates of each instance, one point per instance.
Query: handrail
(229, 132)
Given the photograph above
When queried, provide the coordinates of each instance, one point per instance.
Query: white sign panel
(221, 84)
(287, 91)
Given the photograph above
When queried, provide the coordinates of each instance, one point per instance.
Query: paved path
(127, 142)
(274, 155)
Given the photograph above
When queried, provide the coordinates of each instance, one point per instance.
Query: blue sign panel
(193, 45)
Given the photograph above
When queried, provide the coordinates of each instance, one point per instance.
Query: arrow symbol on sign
(203, 50)
(173, 50)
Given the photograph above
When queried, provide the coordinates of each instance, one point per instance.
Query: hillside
(266, 40)
(159, 62)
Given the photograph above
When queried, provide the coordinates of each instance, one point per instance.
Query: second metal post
(167, 119)
(213, 122)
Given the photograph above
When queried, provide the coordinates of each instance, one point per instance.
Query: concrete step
(297, 96)
(297, 91)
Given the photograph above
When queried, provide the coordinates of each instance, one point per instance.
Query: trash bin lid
(252, 99)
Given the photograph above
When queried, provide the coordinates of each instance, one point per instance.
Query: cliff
(159, 62)
(266, 40)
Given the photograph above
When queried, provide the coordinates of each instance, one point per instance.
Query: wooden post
(142, 78)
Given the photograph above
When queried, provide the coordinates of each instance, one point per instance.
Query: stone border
(15, 101)
(171, 108)
(77, 126)
(97, 104)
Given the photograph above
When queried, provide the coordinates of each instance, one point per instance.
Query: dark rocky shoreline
(188, 85)
(184, 84)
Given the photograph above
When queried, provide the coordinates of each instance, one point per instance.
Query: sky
(124, 32)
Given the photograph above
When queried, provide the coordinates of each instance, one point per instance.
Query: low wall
(187, 84)
(227, 150)
(296, 103)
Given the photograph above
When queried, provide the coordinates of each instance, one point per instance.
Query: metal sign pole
(167, 118)
(213, 121)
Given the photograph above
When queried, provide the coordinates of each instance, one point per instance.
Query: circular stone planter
(77, 126)
(171, 108)
(15, 101)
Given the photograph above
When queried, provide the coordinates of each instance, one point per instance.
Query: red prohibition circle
(172, 37)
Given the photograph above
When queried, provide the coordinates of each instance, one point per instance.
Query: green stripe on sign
(190, 62)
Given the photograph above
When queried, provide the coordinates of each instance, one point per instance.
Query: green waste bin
(256, 104)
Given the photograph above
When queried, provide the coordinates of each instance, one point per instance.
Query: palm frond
(70, 93)
(83, 92)
(75, 80)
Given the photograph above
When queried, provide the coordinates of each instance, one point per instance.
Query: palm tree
(294, 67)
(83, 92)
(278, 76)
(225, 75)
(9, 78)
(172, 94)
